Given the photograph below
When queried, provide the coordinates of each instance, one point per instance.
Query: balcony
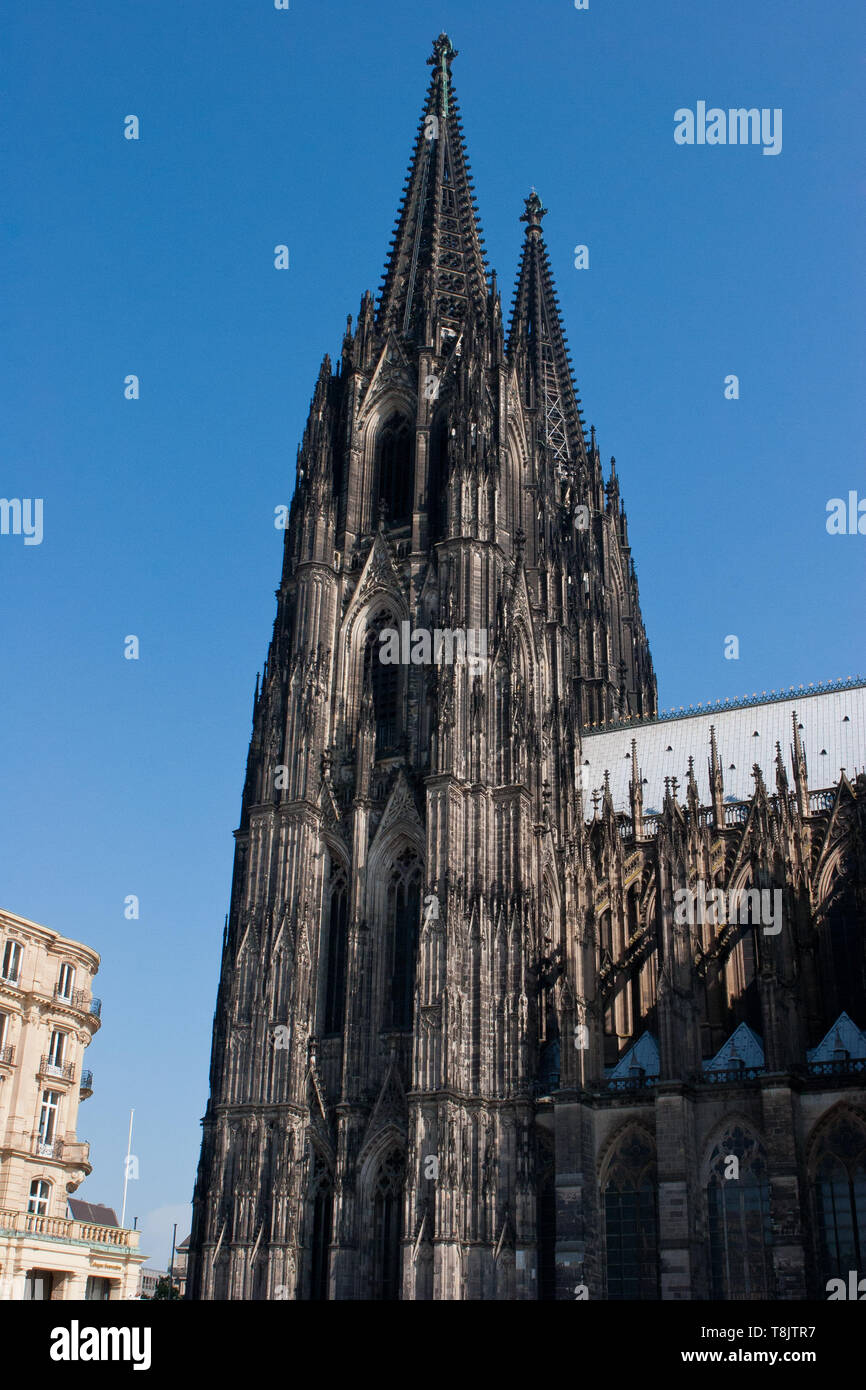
(62, 1228)
(7, 1056)
(47, 1148)
(58, 1071)
(86, 1085)
(79, 999)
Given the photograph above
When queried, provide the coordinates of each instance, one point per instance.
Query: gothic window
(631, 1219)
(842, 958)
(546, 1199)
(437, 477)
(383, 679)
(387, 1227)
(404, 913)
(396, 469)
(738, 1201)
(323, 1210)
(839, 1195)
(335, 987)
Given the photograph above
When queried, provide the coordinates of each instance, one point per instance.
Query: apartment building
(48, 1016)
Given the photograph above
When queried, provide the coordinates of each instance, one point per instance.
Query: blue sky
(155, 257)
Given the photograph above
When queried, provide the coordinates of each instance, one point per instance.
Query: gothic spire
(537, 343)
(436, 277)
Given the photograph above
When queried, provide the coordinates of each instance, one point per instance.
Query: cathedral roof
(644, 1054)
(833, 733)
(844, 1036)
(743, 1046)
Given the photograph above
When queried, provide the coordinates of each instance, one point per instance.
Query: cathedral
(527, 991)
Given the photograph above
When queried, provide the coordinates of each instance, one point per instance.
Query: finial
(535, 210)
(443, 49)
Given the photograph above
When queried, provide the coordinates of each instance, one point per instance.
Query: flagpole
(126, 1170)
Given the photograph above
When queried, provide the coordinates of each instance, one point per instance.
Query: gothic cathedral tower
(395, 963)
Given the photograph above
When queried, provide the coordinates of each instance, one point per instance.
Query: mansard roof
(833, 734)
(436, 263)
(844, 1035)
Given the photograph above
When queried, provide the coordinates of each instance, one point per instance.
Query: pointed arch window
(738, 1203)
(631, 1219)
(335, 984)
(396, 469)
(404, 914)
(839, 1196)
(388, 1227)
(323, 1212)
(382, 678)
(437, 475)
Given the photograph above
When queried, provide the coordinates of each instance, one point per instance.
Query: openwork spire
(537, 343)
(435, 278)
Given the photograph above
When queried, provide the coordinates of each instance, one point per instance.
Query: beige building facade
(48, 1016)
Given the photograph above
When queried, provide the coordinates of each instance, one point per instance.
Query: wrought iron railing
(64, 1071)
(7, 1055)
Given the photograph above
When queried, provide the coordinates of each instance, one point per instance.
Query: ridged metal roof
(833, 733)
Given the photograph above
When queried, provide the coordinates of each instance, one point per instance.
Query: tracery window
(396, 469)
(631, 1219)
(323, 1211)
(383, 680)
(839, 1196)
(738, 1201)
(335, 985)
(404, 914)
(388, 1226)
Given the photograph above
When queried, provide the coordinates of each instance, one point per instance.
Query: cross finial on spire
(442, 48)
(535, 210)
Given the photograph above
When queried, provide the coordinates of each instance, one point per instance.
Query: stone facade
(444, 937)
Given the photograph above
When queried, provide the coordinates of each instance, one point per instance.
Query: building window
(388, 1227)
(48, 1117)
(839, 1195)
(738, 1199)
(10, 970)
(97, 1290)
(335, 987)
(382, 679)
(66, 982)
(631, 1219)
(396, 469)
(404, 915)
(323, 1210)
(4, 1031)
(37, 1286)
(40, 1195)
(56, 1049)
